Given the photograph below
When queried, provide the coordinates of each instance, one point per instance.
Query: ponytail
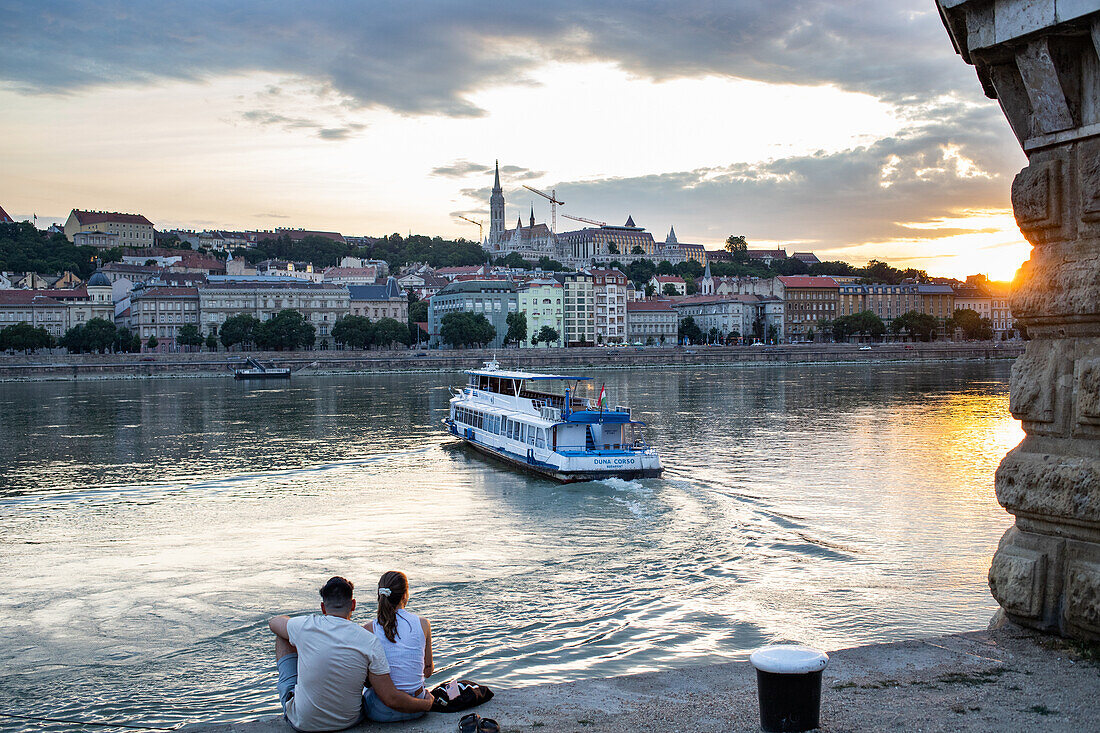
(392, 587)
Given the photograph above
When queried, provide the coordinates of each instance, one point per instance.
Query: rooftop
(808, 281)
(112, 217)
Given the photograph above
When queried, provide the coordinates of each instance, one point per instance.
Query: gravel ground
(999, 680)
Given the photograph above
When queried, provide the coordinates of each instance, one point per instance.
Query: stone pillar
(1041, 60)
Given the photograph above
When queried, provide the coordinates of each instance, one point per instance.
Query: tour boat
(515, 417)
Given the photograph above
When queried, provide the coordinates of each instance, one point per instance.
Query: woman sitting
(407, 641)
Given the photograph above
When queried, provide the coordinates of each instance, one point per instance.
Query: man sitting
(325, 660)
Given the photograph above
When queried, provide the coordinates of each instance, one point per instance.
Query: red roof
(297, 234)
(808, 281)
(4, 218)
(100, 217)
(732, 298)
(168, 292)
(26, 297)
(669, 279)
(649, 305)
(462, 270)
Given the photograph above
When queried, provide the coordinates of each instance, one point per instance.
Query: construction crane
(552, 197)
(586, 221)
(480, 236)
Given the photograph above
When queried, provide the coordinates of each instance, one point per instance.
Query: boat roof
(533, 376)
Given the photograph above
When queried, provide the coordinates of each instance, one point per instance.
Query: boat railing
(552, 414)
(622, 408)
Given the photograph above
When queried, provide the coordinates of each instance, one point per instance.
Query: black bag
(470, 694)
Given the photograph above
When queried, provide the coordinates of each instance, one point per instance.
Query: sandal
(470, 723)
(487, 725)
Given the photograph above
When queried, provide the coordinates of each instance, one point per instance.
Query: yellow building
(133, 230)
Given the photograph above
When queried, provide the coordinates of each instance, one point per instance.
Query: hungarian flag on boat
(603, 393)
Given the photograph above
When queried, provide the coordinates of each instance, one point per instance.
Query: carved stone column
(1041, 60)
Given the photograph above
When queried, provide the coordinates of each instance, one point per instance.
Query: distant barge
(257, 370)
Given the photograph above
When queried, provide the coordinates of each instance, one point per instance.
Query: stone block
(1050, 110)
(1017, 579)
(1081, 602)
(1088, 165)
(1086, 391)
(1051, 487)
(1014, 18)
(1037, 197)
(1033, 382)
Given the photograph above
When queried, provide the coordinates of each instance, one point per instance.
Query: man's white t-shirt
(334, 657)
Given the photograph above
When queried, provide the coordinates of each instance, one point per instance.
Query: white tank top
(406, 654)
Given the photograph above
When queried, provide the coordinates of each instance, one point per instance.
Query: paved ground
(1001, 680)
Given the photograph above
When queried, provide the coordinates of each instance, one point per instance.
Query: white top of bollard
(789, 659)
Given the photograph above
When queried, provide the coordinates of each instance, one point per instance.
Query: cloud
(899, 188)
(430, 57)
(265, 118)
(466, 168)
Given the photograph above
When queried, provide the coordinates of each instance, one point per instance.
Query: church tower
(496, 210)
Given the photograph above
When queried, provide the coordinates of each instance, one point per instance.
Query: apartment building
(806, 300)
(263, 297)
(542, 301)
(494, 299)
(580, 308)
(651, 322)
(610, 289)
(161, 312)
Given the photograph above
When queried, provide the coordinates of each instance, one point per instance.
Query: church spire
(532, 215)
(671, 238)
(496, 209)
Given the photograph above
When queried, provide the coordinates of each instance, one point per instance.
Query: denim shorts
(380, 713)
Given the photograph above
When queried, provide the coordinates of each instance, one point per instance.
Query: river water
(148, 529)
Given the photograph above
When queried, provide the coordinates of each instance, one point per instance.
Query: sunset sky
(849, 128)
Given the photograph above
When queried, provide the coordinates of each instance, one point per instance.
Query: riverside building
(161, 312)
(610, 289)
(263, 297)
(733, 316)
(494, 299)
(807, 300)
(380, 300)
(580, 313)
(58, 310)
(541, 300)
(651, 322)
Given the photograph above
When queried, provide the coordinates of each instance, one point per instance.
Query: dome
(99, 280)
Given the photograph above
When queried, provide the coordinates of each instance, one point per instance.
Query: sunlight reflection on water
(165, 521)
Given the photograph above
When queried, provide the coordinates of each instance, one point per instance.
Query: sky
(849, 128)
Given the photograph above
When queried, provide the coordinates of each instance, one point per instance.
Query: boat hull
(562, 475)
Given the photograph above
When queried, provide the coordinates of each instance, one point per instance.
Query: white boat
(515, 417)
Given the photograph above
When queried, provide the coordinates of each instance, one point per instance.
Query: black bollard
(788, 680)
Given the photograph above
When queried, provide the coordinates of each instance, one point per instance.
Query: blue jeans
(380, 713)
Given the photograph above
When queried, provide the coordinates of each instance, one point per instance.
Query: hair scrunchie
(384, 592)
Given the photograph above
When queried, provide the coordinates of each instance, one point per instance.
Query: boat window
(484, 382)
(530, 435)
(507, 386)
(541, 438)
(494, 384)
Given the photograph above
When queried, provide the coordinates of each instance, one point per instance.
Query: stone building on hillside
(133, 230)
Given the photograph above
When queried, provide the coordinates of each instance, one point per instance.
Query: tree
(664, 267)
(152, 343)
(211, 341)
(972, 325)
(189, 335)
(97, 335)
(418, 311)
(547, 335)
(714, 335)
(287, 330)
(238, 329)
(690, 285)
(690, 330)
(26, 338)
(126, 342)
(773, 333)
(513, 259)
(669, 289)
(549, 265)
(390, 331)
(463, 329)
(916, 324)
(517, 328)
(613, 248)
(738, 246)
(356, 332)
(650, 289)
(637, 250)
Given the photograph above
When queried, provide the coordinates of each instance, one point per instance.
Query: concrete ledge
(70, 367)
(999, 680)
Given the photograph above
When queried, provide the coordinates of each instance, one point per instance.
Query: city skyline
(852, 132)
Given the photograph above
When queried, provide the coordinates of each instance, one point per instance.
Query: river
(149, 528)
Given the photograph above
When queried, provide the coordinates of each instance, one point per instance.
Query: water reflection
(833, 505)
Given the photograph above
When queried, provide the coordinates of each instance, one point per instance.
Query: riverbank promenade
(1005, 679)
(205, 364)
